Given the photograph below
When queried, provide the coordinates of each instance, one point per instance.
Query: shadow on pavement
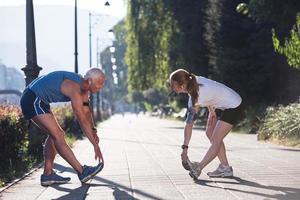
(118, 194)
(117, 185)
(62, 168)
(284, 193)
(82, 191)
(78, 193)
(287, 149)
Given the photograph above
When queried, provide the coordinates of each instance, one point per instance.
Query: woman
(223, 105)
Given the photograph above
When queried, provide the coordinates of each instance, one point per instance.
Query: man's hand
(98, 154)
(95, 136)
(184, 156)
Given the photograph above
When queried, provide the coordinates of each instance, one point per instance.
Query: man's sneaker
(222, 171)
(89, 172)
(195, 171)
(53, 178)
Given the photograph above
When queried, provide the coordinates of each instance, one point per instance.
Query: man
(62, 86)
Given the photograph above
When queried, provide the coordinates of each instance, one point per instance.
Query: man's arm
(73, 91)
(83, 115)
(86, 123)
(89, 116)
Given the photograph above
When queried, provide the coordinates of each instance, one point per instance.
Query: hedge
(281, 123)
(19, 150)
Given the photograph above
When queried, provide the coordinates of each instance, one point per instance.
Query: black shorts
(230, 115)
(32, 105)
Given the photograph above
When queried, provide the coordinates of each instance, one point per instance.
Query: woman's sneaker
(188, 164)
(222, 171)
(195, 170)
(53, 178)
(89, 172)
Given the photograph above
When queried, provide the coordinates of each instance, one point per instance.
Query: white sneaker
(188, 164)
(195, 170)
(222, 171)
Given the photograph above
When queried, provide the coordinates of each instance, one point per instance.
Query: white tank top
(217, 95)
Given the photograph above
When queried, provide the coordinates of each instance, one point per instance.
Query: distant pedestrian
(224, 108)
(62, 86)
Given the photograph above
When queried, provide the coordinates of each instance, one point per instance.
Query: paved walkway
(142, 161)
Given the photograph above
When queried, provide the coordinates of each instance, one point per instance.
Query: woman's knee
(215, 141)
(208, 134)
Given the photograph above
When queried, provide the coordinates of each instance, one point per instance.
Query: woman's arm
(191, 117)
(187, 137)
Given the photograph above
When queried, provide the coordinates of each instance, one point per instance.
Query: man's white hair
(94, 74)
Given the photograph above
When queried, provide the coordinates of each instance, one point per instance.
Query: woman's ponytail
(193, 88)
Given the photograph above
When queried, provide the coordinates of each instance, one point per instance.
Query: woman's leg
(209, 132)
(220, 131)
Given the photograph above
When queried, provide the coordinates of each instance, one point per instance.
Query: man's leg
(209, 132)
(49, 124)
(49, 155)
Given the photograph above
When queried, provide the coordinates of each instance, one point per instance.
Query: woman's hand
(184, 155)
(212, 115)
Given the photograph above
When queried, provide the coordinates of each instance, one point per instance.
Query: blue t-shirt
(47, 87)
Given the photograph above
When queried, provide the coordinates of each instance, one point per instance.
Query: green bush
(64, 116)
(13, 142)
(19, 150)
(253, 116)
(66, 119)
(281, 123)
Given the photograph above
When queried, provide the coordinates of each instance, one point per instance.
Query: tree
(163, 36)
(291, 48)
(281, 18)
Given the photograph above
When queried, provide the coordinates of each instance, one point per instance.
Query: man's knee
(58, 135)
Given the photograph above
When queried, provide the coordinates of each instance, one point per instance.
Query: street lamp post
(91, 64)
(90, 59)
(99, 117)
(76, 48)
(113, 60)
(31, 70)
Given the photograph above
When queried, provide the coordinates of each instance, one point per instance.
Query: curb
(19, 179)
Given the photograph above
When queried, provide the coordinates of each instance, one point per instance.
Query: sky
(54, 26)
(117, 8)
